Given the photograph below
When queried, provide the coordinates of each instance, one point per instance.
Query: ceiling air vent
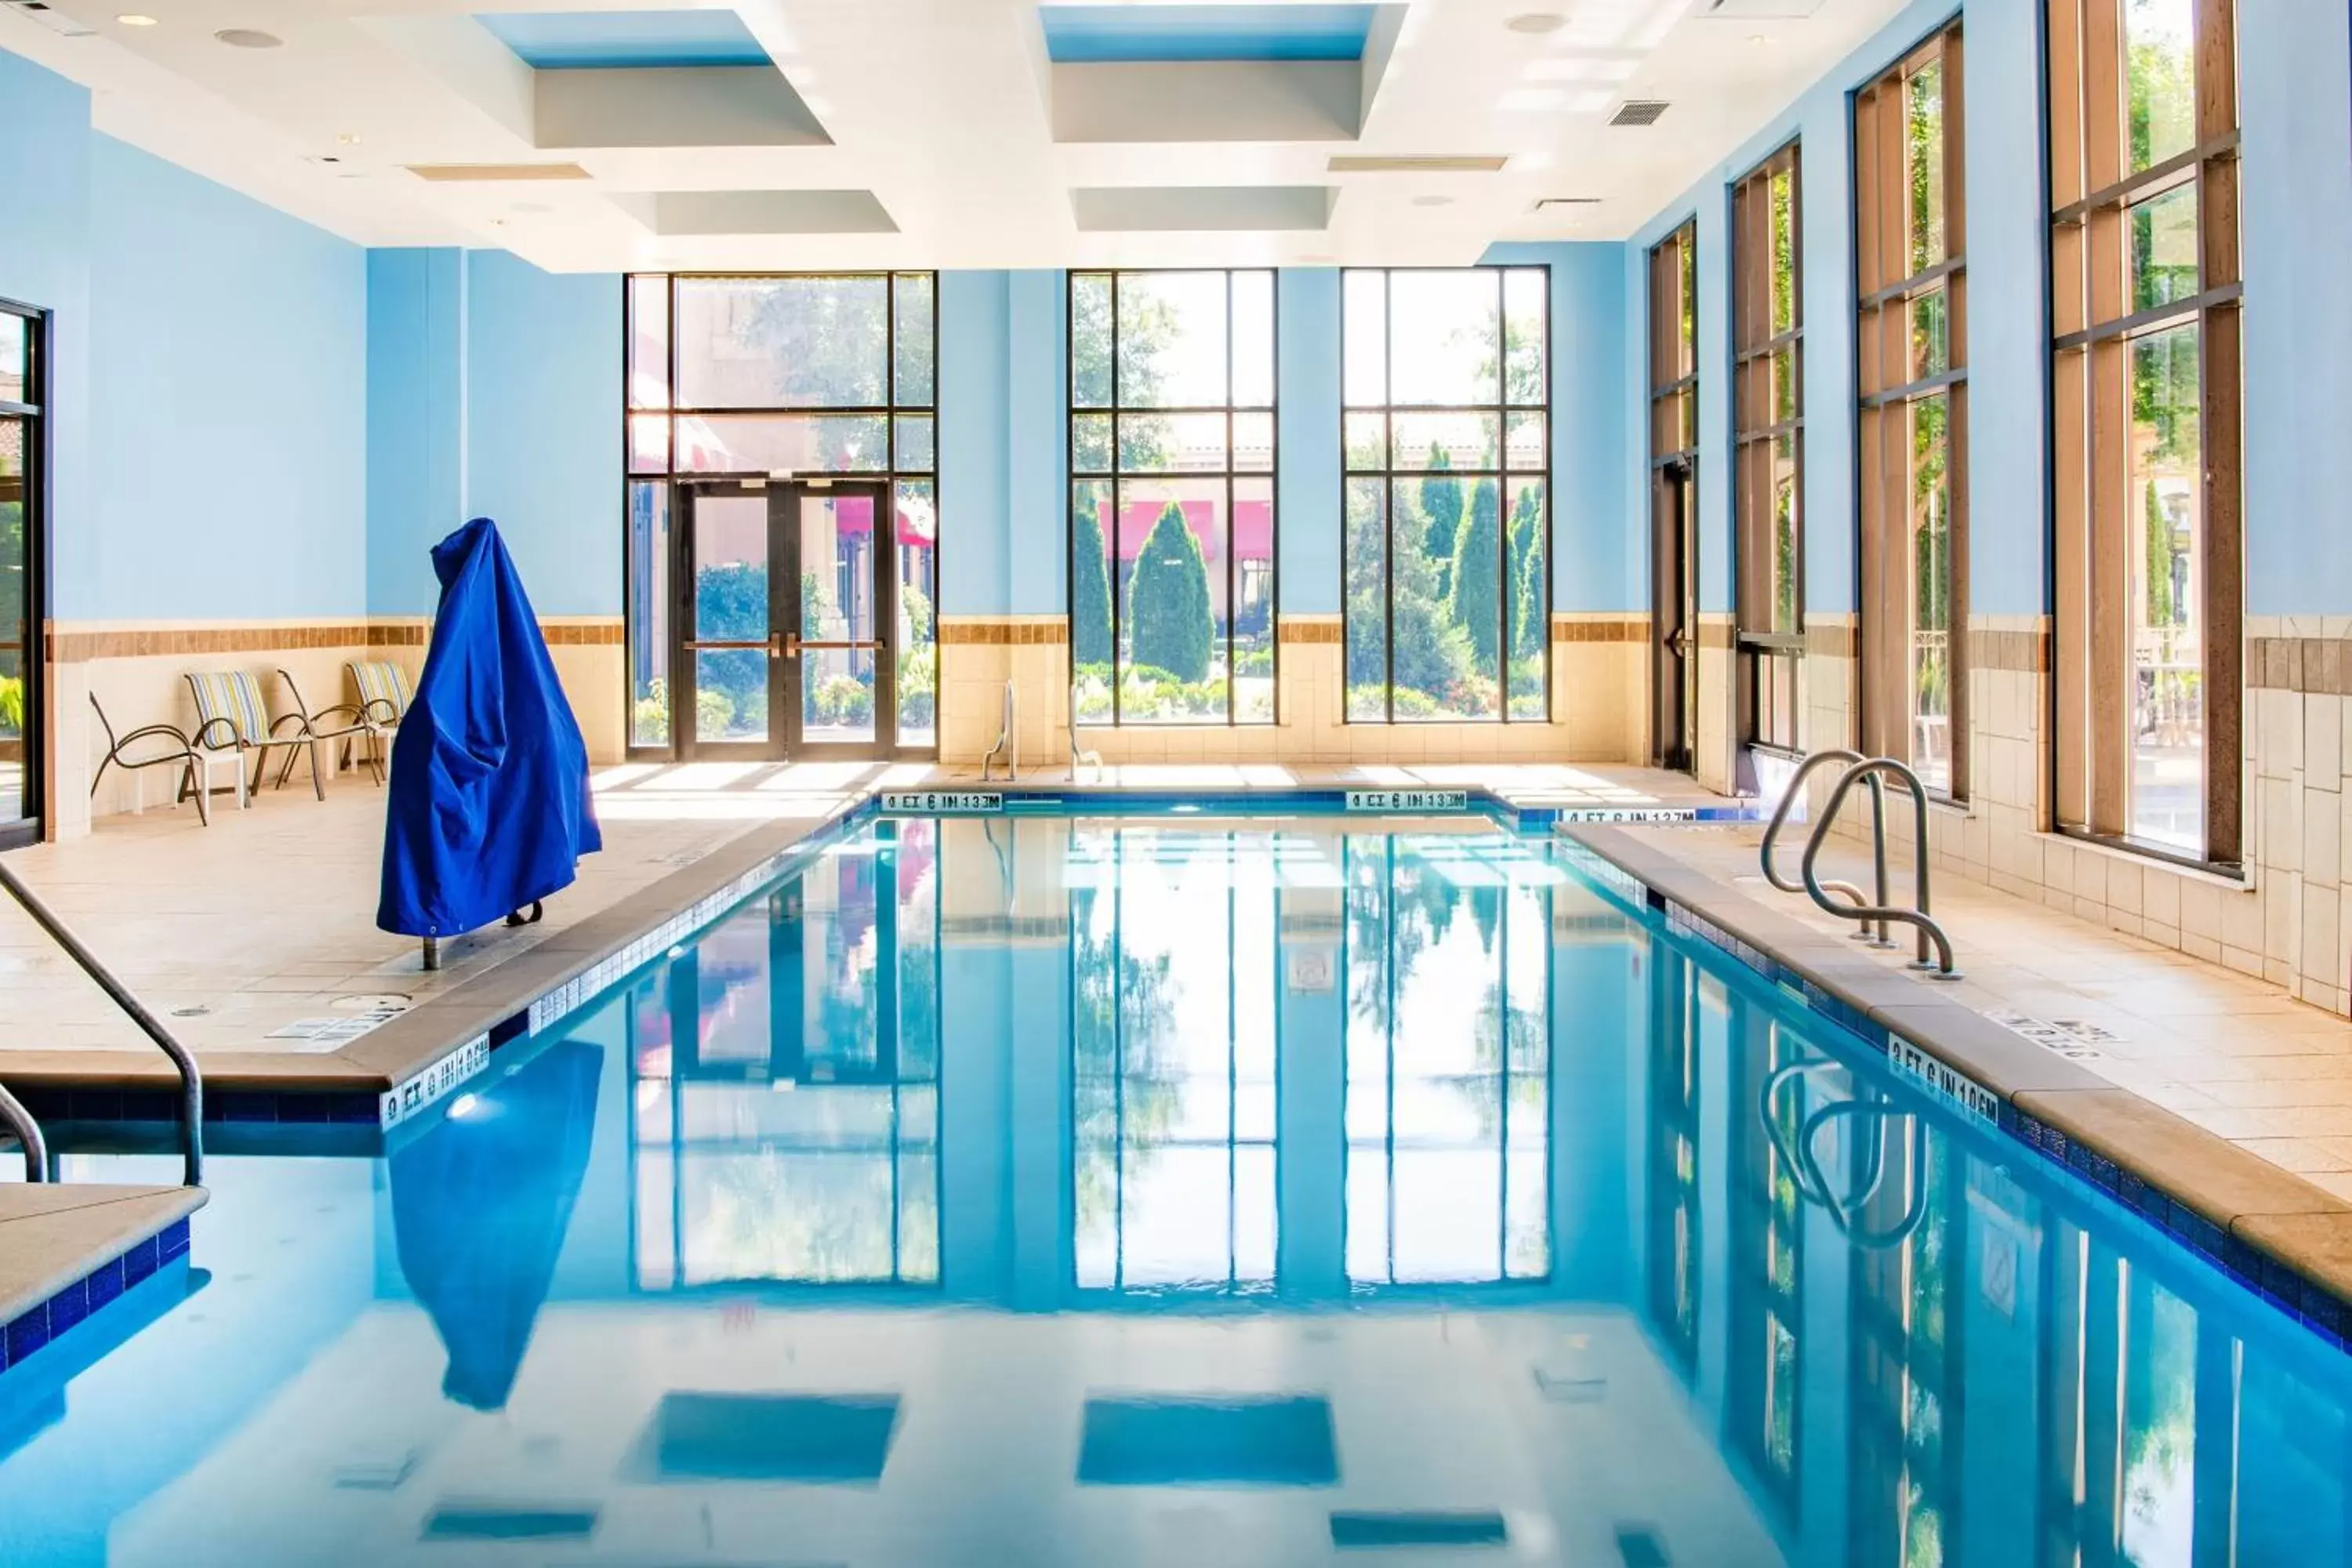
(55, 20)
(494, 173)
(1639, 111)
(1419, 164)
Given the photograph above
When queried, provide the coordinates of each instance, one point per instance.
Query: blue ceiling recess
(589, 40)
(1095, 35)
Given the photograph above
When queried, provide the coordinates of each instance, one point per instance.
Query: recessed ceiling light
(133, 19)
(248, 38)
(349, 139)
(1759, 40)
(1433, 201)
(1537, 22)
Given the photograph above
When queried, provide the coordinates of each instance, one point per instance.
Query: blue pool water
(1170, 1190)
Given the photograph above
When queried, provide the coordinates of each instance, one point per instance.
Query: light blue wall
(227, 384)
(415, 420)
(45, 262)
(973, 444)
(2296, 195)
(1306, 441)
(543, 425)
(1037, 467)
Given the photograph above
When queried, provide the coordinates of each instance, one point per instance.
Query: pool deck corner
(67, 1251)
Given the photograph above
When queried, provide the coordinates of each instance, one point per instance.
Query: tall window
(2145, 383)
(20, 609)
(1769, 422)
(1448, 451)
(1172, 497)
(1911, 358)
(804, 373)
(1673, 488)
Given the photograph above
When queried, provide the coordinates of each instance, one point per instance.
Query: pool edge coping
(2285, 1239)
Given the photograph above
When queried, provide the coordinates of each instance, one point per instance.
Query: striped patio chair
(345, 721)
(230, 717)
(381, 686)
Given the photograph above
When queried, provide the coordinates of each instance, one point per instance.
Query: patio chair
(343, 721)
(230, 717)
(381, 686)
(163, 746)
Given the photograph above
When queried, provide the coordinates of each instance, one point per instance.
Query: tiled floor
(268, 917)
(2238, 1058)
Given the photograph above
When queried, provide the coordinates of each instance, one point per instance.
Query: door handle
(783, 645)
(1677, 641)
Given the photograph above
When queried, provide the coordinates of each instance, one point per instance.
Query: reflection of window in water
(1172, 1026)
(1448, 1048)
(1673, 1143)
(1766, 1254)
(786, 1074)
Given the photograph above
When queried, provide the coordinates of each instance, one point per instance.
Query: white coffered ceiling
(950, 120)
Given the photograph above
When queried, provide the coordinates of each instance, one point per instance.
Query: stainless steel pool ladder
(192, 1081)
(1008, 743)
(1876, 916)
(1077, 755)
(1801, 1156)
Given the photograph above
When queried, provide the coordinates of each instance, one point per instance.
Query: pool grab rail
(1803, 1159)
(1865, 770)
(1008, 743)
(1080, 756)
(15, 1118)
(192, 1081)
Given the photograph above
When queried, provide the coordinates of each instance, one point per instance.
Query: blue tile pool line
(369, 1108)
(2303, 1299)
(43, 1324)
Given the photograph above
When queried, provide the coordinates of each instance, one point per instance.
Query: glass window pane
(783, 443)
(1686, 258)
(2160, 63)
(1787, 404)
(1254, 340)
(1523, 445)
(783, 342)
(16, 358)
(1367, 600)
(1923, 165)
(1366, 438)
(912, 355)
(1446, 440)
(916, 527)
(1171, 340)
(1931, 591)
(17, 437)
(649, 443)
(1090, 340)
(1783, 188)
(1785, 505)
(1445, 336)
(648, 342)
(730, 568)
(1445, 599)
(649, 615)
(1253, 591)
(1172, 545)
(2167, 501)
(1090, 443)
(1523, 334)
(837, 537)
(2163, 237)
(1253, 443)
(917, 440)
(1931, 335)
(1364, 324)
(730, 694)
(1171, 443)
(1528, 601)
(1091, 598)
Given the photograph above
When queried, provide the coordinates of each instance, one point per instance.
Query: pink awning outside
(1252, 527)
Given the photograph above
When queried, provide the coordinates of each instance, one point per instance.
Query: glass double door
(788, 605)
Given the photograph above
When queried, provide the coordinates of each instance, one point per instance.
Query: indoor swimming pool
(1170, 1188)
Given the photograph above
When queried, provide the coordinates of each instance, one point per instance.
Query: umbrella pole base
(432, 953)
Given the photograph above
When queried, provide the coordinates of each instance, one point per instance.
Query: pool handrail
(1885, 909)
(1788, 797)
(1008, 743)
(192, 1081)
(14, 1117)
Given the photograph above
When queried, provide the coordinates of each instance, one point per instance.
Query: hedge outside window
(2145, 399)
(1446, 542)
(1172, 497)
(1911, 362)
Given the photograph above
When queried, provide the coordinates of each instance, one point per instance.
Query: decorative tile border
(39, 1326)
(2306, 1300)
(977, 631)
(1580, 628)
(1296, 629)
(2321, 666)
(2024, 652)
(70, 645)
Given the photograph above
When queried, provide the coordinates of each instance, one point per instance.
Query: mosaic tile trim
(2305, 1300)
(267, 1108)
(41, 1325)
